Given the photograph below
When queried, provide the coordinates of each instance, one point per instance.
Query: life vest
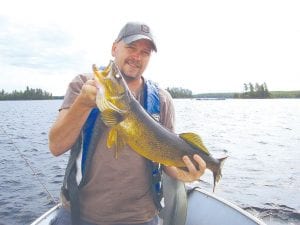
(82, 153)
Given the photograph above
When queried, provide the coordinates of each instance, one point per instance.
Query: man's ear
(113, 49)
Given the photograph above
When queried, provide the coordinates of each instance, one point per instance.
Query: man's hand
(87, 96)
(192, 174)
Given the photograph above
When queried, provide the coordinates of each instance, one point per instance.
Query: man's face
(132, 59)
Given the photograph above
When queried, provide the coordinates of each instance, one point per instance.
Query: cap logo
(145, 28)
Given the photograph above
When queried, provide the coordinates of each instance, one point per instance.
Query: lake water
(261, 138)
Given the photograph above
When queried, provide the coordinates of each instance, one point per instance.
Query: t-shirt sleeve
(167, 111)
(73, 90)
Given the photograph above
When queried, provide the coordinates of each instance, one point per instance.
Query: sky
(204, 46)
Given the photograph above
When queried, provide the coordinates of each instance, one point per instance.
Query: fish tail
(218, 173)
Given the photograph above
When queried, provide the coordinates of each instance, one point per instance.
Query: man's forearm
(67, 127)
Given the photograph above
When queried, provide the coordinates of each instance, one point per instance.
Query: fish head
(112, 88)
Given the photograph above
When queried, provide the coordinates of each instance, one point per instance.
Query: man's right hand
(87, 96)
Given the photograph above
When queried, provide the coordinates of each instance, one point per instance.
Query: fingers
(201, 163)
(172, 171)
(88, 93)
(194, 173)
(189, 164)
(91, 82)
(89, 89)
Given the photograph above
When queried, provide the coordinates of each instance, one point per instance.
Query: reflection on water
(261, 138)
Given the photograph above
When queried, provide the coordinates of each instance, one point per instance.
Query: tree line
(250, 91)
(254, 91)
(27, 94)
(178, 92)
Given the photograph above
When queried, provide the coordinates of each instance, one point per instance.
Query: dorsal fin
(195, 141)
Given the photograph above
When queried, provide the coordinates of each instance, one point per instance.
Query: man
(115, 191)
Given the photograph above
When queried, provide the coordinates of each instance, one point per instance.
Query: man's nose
(137, 55)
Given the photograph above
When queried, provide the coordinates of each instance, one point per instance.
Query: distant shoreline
(33, 99)
(273, 94)
(203, 96)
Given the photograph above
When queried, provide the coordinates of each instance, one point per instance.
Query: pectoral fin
(104, 104)
(111, 117)
(115, 140)
(195, 141)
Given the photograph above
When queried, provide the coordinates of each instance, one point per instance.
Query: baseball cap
(134, 31)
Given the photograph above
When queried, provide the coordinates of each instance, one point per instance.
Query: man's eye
(146, 53)
(131, 47)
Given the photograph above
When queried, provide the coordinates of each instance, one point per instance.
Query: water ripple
(261, 138)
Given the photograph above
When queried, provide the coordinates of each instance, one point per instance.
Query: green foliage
(28, 94)
(254, 91)
(178, 92)
(285, 94)
(250, 91)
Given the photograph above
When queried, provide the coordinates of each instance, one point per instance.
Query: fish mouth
(107, 70)
(110, 85)
(104, 74)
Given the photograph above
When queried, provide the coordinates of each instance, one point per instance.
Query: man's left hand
(192, 174)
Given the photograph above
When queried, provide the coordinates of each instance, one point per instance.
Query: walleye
(130, 124)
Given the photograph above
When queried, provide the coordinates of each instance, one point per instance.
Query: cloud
(214, 47)
(37, 56)
(40, 48)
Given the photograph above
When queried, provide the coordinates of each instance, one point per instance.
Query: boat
(204, 208)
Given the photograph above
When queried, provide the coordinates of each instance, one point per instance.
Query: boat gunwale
(46, 214)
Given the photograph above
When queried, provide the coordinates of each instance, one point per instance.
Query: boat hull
(204, 208)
